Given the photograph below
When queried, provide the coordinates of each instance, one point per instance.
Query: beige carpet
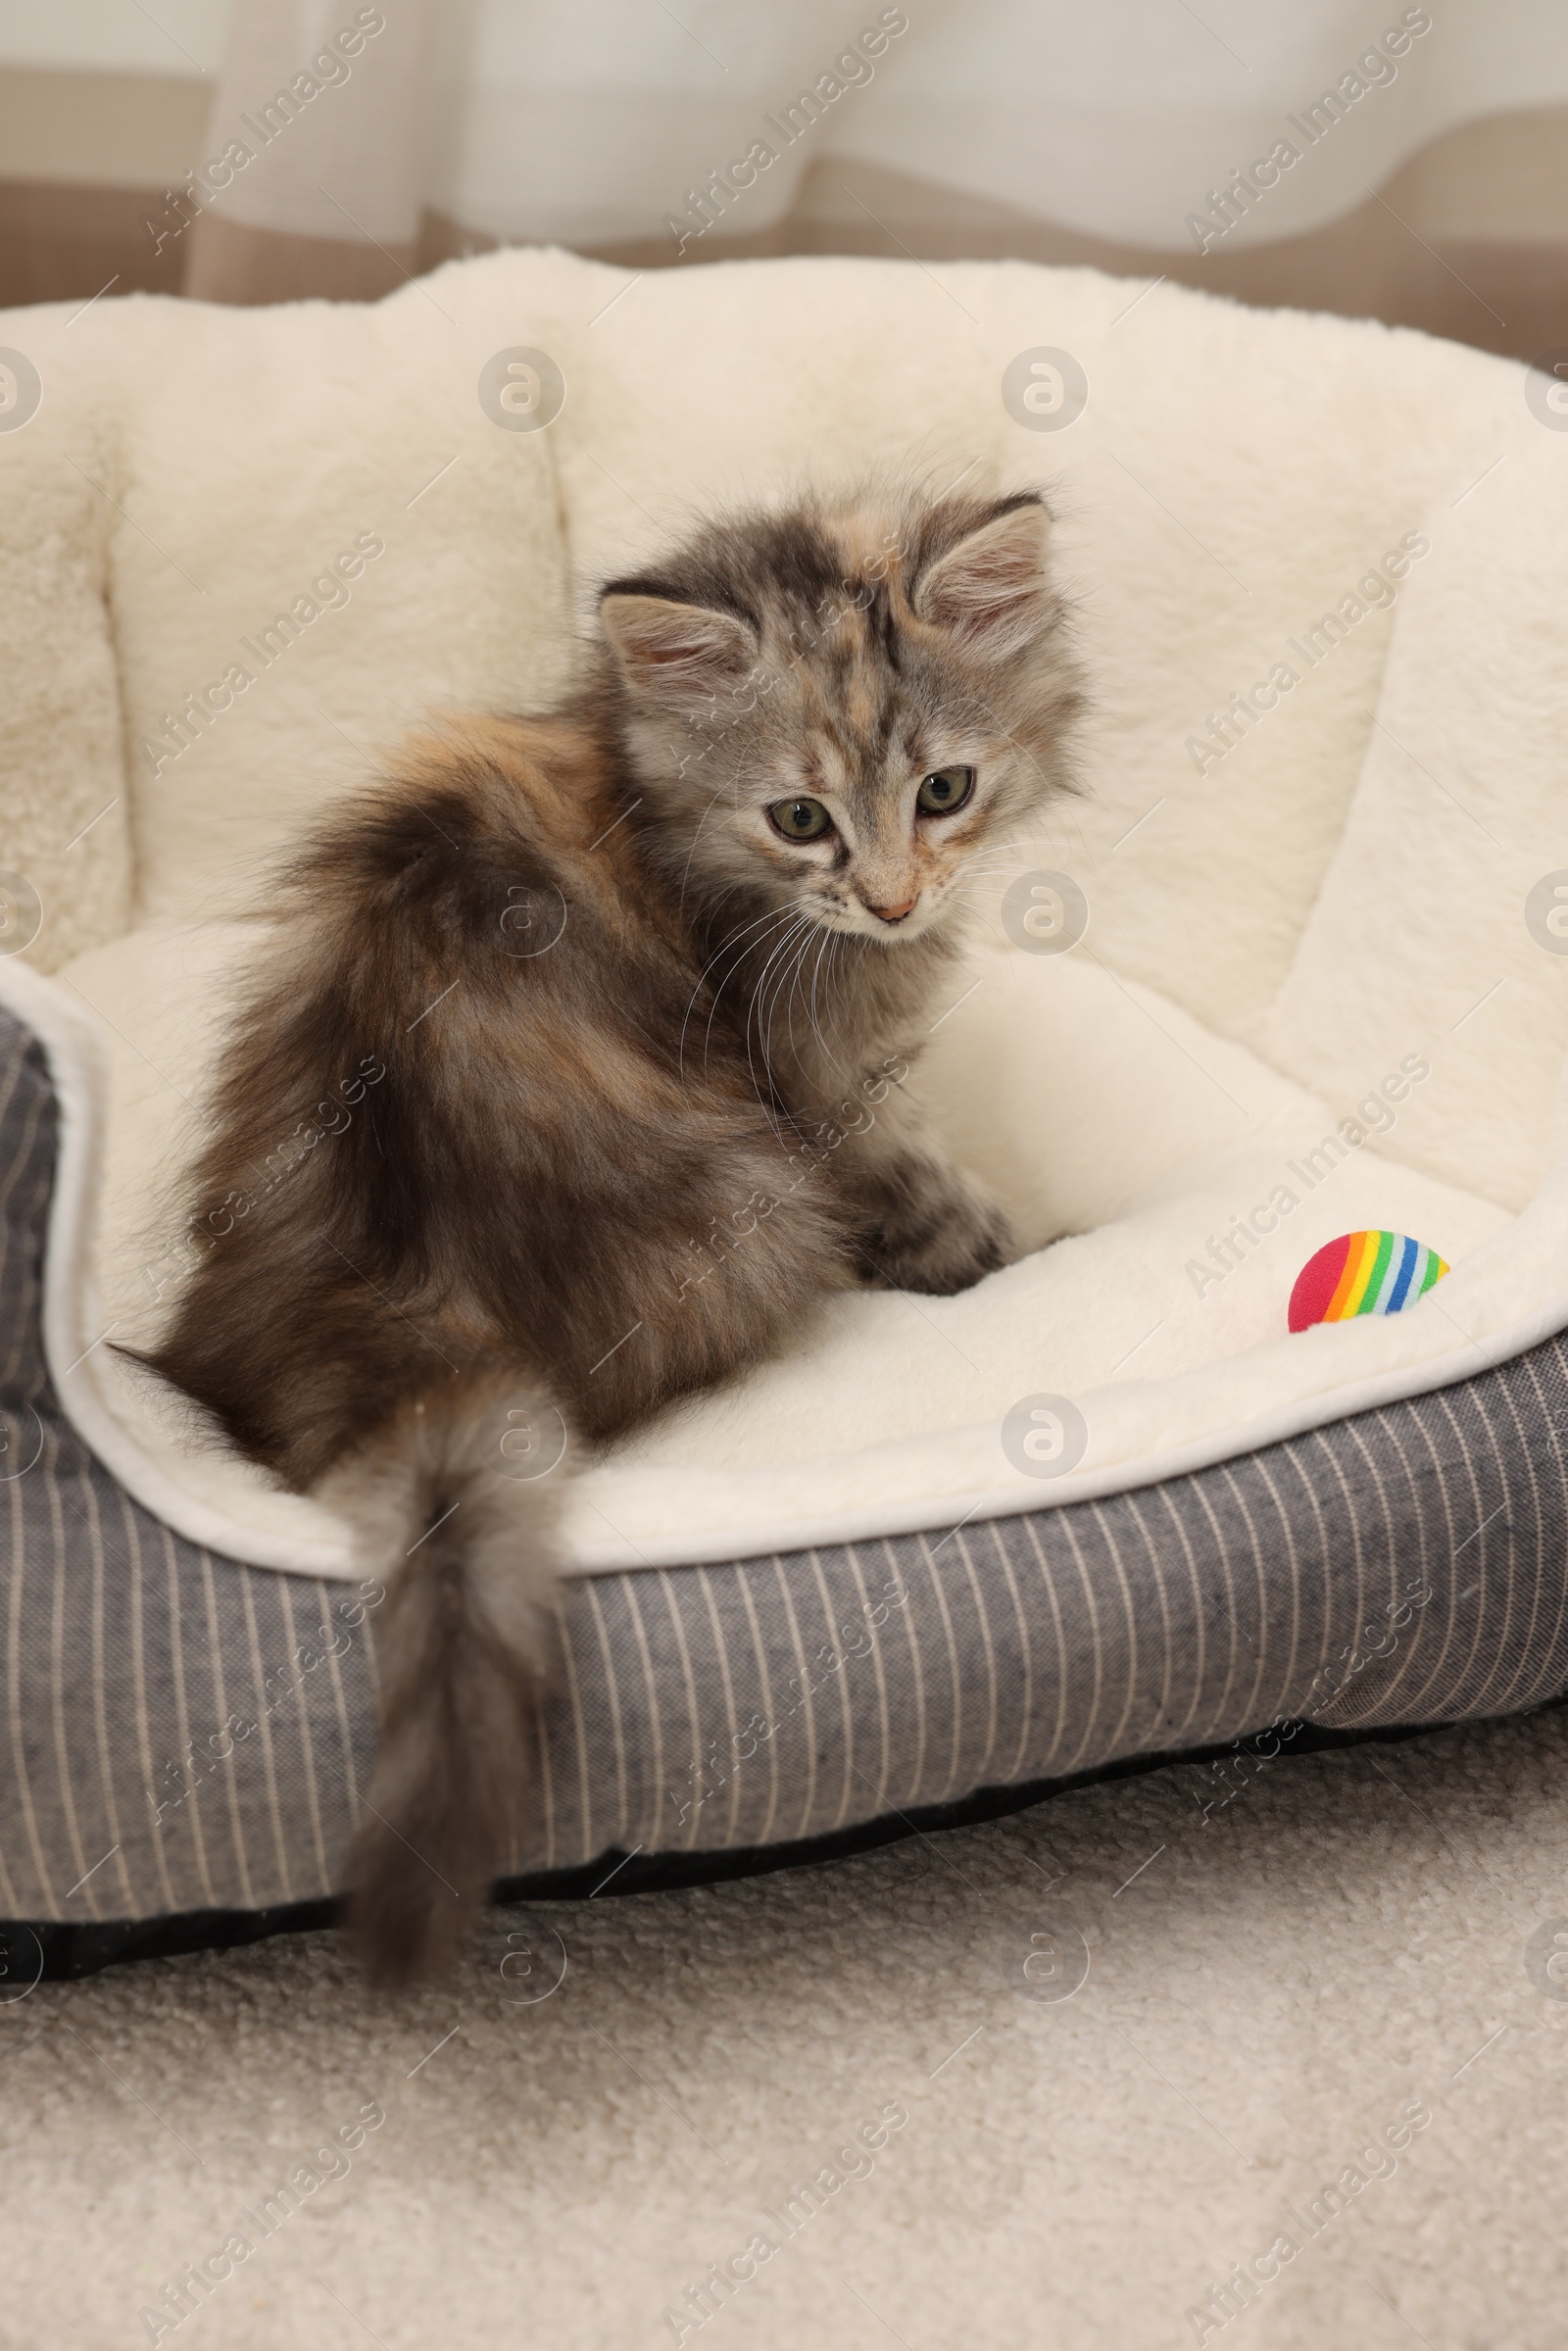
(1270, 1987)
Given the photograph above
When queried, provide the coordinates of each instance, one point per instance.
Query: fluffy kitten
(606, 1017)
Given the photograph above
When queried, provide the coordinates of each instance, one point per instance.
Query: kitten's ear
(674, 655)
(990, 589)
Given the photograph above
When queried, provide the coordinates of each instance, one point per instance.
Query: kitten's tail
(453, 1502)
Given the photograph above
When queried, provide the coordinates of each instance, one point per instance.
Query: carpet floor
(1152, 2034)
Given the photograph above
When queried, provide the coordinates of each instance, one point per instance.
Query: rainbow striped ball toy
(1363, 1273)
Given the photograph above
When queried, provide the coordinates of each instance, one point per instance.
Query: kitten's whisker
(803, 952)
(774, 914)
(822, 945)
(791, 941)
(735, 945)
(800, 921)
(716, 994)
(830, 943)
(784, 987)
(778, 915)
(1013, 863)
(771, 950)
(747, 1017)
(752, 1040)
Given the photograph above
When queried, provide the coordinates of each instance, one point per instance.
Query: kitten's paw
(939, 1240)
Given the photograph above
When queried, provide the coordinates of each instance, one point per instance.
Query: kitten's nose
(891, 914)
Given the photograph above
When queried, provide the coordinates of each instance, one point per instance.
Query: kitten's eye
(941, 793)
(799, 819)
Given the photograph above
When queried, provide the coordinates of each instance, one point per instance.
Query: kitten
(611, 1012)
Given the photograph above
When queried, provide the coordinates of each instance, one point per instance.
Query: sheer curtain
(589, 124)
(1407, 161)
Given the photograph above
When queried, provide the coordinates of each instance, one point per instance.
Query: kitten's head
(837, 707)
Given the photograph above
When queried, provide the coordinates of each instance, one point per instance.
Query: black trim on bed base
(73, 1952)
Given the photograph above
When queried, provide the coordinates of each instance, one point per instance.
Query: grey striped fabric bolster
(183, 1733)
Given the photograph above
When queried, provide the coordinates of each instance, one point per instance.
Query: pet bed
(1301, 971)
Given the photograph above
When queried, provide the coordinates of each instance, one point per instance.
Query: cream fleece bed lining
(888, 1418)
(1329, 888)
